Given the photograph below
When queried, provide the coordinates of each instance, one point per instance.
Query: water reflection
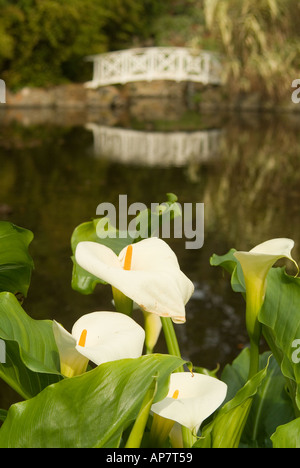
(51, 182)
(154, 148)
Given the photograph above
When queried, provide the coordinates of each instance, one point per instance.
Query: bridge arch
(155, 63)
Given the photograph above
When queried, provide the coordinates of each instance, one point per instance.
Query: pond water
(57, 167)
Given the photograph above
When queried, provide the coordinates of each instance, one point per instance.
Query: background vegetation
(260, 40)
(44, 42)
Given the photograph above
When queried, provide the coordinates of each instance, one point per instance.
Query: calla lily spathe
(255, 265)
(257, 262)
(147, 272)
(191, 399)
(99, 337)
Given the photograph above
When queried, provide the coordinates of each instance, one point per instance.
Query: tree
(260, 42)
(44, 42)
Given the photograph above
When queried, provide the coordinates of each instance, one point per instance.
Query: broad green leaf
(3, 414)
(32, 360)
(82, 281)
(230, 264)
(136, 435)
(271, 405)
(16, 265)
(90, 410)
(204, 371)
(280, 316)
(226, 429)
(288, 435)
(227, 261)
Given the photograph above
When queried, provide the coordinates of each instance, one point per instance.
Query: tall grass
(260, 41)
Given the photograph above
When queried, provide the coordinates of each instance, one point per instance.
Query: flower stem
(137, 432)
(171, 339)
(122, 303)
(188, 438)
(254, 302)
(174, 350)
(254, 358)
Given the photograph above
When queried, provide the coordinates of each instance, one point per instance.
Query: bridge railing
(155, 148)
(155, 63)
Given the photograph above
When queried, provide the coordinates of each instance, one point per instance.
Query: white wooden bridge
(155, 148)
(155, 63)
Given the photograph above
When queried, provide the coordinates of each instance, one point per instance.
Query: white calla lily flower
(255, 265)
(257, 262)
(190, 400)
(147, 272)
(99, 337)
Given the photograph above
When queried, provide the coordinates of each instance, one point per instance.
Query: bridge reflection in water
(155, 148)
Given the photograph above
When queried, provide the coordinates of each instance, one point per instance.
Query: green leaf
(226, 429)
(90, 410)
(227, 261)
(32, 360)
(230, 264)
(271, 405)
(82, 281)
(287, 436)
(137, 432)
(204, 371)
(3, 414)
(280, 316)
(16, 265)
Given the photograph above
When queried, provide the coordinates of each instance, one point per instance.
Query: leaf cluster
(44, 42)
(260, 42)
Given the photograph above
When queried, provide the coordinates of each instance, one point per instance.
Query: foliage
(45, 42)
(16, 264)
(179, 24)
(104, 401)
(260, 42)
(109, 405)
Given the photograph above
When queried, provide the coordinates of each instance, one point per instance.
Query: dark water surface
(56, 168)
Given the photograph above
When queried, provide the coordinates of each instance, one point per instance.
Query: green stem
(174, 350)
(137, 432)
(254, 358)
(171, 338)
(254, 301)
(123, 304)
(188, 438)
